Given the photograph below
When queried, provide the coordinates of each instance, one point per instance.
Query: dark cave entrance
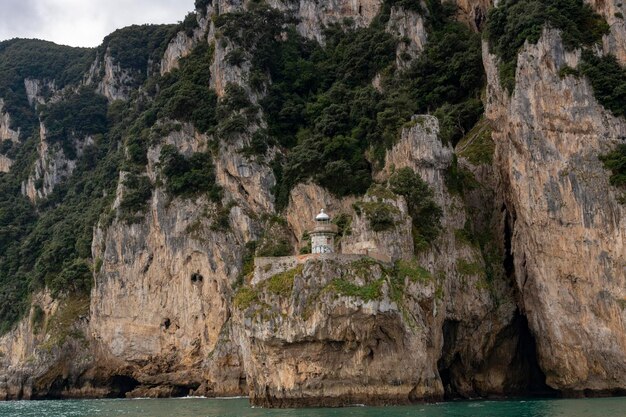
(120, 385)
(533, 380)
(513, 352)
(524, 375)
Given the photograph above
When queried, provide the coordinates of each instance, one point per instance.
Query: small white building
(323, 235)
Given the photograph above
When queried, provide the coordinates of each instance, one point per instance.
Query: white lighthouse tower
(323, 235)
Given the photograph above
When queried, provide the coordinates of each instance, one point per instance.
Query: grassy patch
(413, 271)
(368, 292)
(282, 284)
(469, 268)
(245, 297)
(61, 325)
(478, 146)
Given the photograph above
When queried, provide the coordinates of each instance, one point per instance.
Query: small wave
(230, 398)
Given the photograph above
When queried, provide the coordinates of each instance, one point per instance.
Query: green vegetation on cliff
(321, 106)
(49, 244)
(513, 22)
(423, 209)
(22, 59)
(608, 80)
(367, 292)
(191, 176)
(78, 115)
(616, 162)
(133, 47)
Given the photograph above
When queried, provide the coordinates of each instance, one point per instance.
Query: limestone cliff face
(319, 342)
(315, 344)
(474, 12)
(110, 79)
(408, 26)
(47, 354)
(305, 202)
(51, 166)
(182, 45)
(5, 164)
(568, 230)
(6, 133)
(389, 245)
(314, 15)
(613, 11)
(538, 297)
(37, 91)
(475, 354)
(160, 308)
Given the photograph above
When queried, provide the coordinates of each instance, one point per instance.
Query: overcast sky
(83, 22)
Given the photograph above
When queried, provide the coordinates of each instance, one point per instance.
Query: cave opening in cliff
(449, 360)
(120, 385)
(533, 379)
(196, 277)
(462, 376)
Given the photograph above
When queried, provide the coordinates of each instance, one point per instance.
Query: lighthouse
(323, 235)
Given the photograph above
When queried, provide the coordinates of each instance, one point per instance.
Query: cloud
(83, 22)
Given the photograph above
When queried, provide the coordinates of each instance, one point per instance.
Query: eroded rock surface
(316, 345)
(6, 132)
(568, 230)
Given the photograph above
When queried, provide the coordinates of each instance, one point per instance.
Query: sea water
(601, 407)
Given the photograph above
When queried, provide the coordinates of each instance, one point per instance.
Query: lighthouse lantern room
(323, 235)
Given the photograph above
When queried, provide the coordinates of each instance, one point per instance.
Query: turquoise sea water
(603, 407)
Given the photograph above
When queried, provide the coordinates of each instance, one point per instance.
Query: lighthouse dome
(322, 216)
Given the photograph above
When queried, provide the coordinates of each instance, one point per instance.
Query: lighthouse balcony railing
(326, 228)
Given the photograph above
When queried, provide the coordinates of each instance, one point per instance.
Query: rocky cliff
(6, 133)
(567, 228)
(499, 270)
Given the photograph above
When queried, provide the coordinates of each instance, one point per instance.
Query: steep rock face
(222, 73)
(182, 45)
(319, 340)
(613, 11)
(113, 81)
(389, 245)
(479, 343)
(316, 345)
(39, 358)
(160, 300)
(474, 12)
(408, 26)
(5, 164)
(568, 231)
(160, 307)
(38, 90)
(305, 202)
(6, 133)
(314, 15)
(51, 167)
